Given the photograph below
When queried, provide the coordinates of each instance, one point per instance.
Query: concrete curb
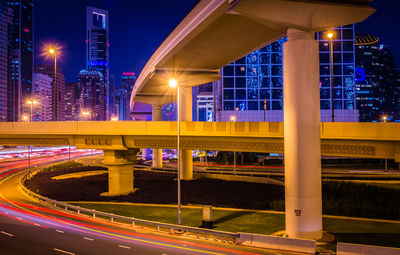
(358, 249)
(278, 243)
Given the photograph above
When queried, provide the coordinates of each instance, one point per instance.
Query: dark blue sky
(137, 28)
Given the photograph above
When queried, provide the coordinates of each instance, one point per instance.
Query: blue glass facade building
(97, 44)
(258, 77)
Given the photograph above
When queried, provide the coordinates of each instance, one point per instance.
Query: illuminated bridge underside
(369, 140)
(197, 48)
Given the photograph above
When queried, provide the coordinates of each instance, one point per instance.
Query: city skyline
(143, 33)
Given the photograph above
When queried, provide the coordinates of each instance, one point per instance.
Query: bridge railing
(200, 233)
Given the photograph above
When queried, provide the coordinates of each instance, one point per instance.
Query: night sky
(137, 28)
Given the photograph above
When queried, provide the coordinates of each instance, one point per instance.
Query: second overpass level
(370, 140)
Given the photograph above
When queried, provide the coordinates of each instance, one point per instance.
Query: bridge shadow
(231, 216)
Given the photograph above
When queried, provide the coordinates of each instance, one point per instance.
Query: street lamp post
(85, 114)
(233, 118)
(31, 103)
(53, 52)
(330, 36)
(384, 118)
(174, 84)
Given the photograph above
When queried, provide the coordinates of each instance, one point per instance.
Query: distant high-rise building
(49, 70)
(5, 21)
(377, 80)
(43, 95)
(92, 94)
(20, 57)
(71, 96)
(367, 76)
(128, 80)
(97, 44)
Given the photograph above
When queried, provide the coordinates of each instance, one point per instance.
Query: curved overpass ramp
(217, 32)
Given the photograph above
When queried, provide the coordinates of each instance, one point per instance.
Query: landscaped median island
(156, 199)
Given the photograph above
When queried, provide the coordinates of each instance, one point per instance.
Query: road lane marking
(5, 233)
(66, 252)
(141, 241)
(88, 238)
(123, 246)
(60, 231)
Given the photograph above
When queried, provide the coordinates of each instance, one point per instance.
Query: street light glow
(173, 83)
(114, 118)
(32, 102)
(330, 35)
(52, 51)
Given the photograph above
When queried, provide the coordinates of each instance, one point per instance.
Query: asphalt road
(27, 227)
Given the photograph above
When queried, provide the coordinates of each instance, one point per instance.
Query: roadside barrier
(358, 249)
(200, 233)
(278, 243)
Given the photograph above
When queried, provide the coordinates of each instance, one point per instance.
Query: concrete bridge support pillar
(120, 171)
(186, 159)
(157, 153)
(303, 199)
(146, 153)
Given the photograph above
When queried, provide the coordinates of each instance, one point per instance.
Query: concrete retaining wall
(358, 249)
(278, 243)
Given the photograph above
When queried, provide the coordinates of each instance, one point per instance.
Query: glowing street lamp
(114, 118)
(52, 51)
(25, 118)
(384, 118)
(330, 36)
(31, 103)
(174, 84)
(85, 114)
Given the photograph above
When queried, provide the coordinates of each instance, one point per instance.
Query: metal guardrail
(199, 233)
(237, 172)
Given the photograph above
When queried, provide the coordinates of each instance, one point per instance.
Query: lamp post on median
(174, 84)
(233, 118)
(53, 53)
(31, 103)
(85, 114)
(330, 36)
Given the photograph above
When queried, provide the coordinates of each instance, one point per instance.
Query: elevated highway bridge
(217, 32)
(364, 140)
(121, 140)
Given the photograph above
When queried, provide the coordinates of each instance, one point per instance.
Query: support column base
(186, 165)
(120, 179)
(157, 158)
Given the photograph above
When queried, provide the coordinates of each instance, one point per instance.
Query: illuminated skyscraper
(49, 70)
(43, 95)
(20, 60)
(92, 94)
(377, 80)
(5, 22)
(97, 43)
(71, 97)
(258, 77)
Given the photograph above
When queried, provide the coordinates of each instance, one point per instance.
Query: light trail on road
(51, 231)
